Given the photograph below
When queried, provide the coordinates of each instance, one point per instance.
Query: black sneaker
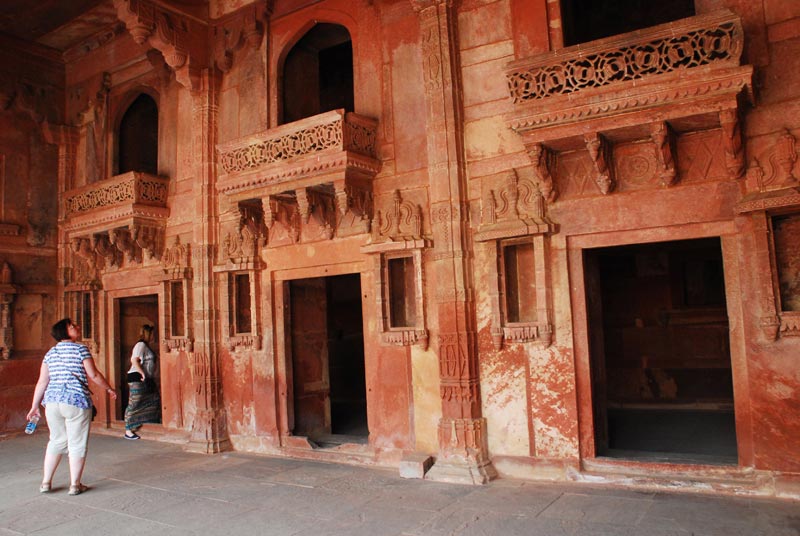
(131, 437)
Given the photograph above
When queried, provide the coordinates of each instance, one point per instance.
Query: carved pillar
(209, 429)
(7, 291)
(66, 138)
(462, 430)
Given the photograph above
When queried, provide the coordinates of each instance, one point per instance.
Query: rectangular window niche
(81, 307)
(519, 295)
(400, 283)
(786, 244)
(175, 276)
(177, 300)
(240, 319)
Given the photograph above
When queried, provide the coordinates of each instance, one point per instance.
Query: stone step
(700, 478)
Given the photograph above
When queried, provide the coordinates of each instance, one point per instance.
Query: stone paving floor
(147, 487)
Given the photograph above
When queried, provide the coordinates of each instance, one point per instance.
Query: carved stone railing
(115, 222)
(716, 38)
(331, 131)
(651, 85)
(689, 67)
(125, 194)
(313, 177)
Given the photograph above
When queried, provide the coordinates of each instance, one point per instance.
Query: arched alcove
(318, 73)
(137, 137)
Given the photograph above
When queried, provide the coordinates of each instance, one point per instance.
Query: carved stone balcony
(686, 73)
(115, 202)
(121, 217)
(319, 168)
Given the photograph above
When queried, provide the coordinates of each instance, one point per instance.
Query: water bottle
(31, 426)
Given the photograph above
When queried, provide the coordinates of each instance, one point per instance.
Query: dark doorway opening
(327, 360)
(587, 20)
(137, 142)
(318, 73)
(660, 352)
(134, 312)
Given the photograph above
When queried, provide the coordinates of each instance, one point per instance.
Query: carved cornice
(769, 200)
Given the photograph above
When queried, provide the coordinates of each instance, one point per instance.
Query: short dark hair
(59, 329)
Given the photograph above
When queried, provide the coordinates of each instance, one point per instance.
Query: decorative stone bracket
(180, 38)
(244, 27)
(397, 244)
(514, 228)
(600, 152)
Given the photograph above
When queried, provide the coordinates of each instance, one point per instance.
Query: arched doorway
(137, 137)
(318, 73)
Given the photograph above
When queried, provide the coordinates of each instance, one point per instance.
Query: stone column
(462, 431)
(66, 139)
(209, 429)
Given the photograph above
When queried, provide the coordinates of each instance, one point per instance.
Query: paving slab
(150, 487)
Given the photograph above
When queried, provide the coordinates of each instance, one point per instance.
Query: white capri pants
(69, 429)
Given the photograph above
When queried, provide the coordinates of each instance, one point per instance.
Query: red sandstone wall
(537, 402)
(30, 94)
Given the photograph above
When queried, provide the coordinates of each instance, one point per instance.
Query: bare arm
(136, 362)
(97, 377)
(38, 392)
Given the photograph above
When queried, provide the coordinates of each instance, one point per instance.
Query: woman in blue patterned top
(63, 389)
